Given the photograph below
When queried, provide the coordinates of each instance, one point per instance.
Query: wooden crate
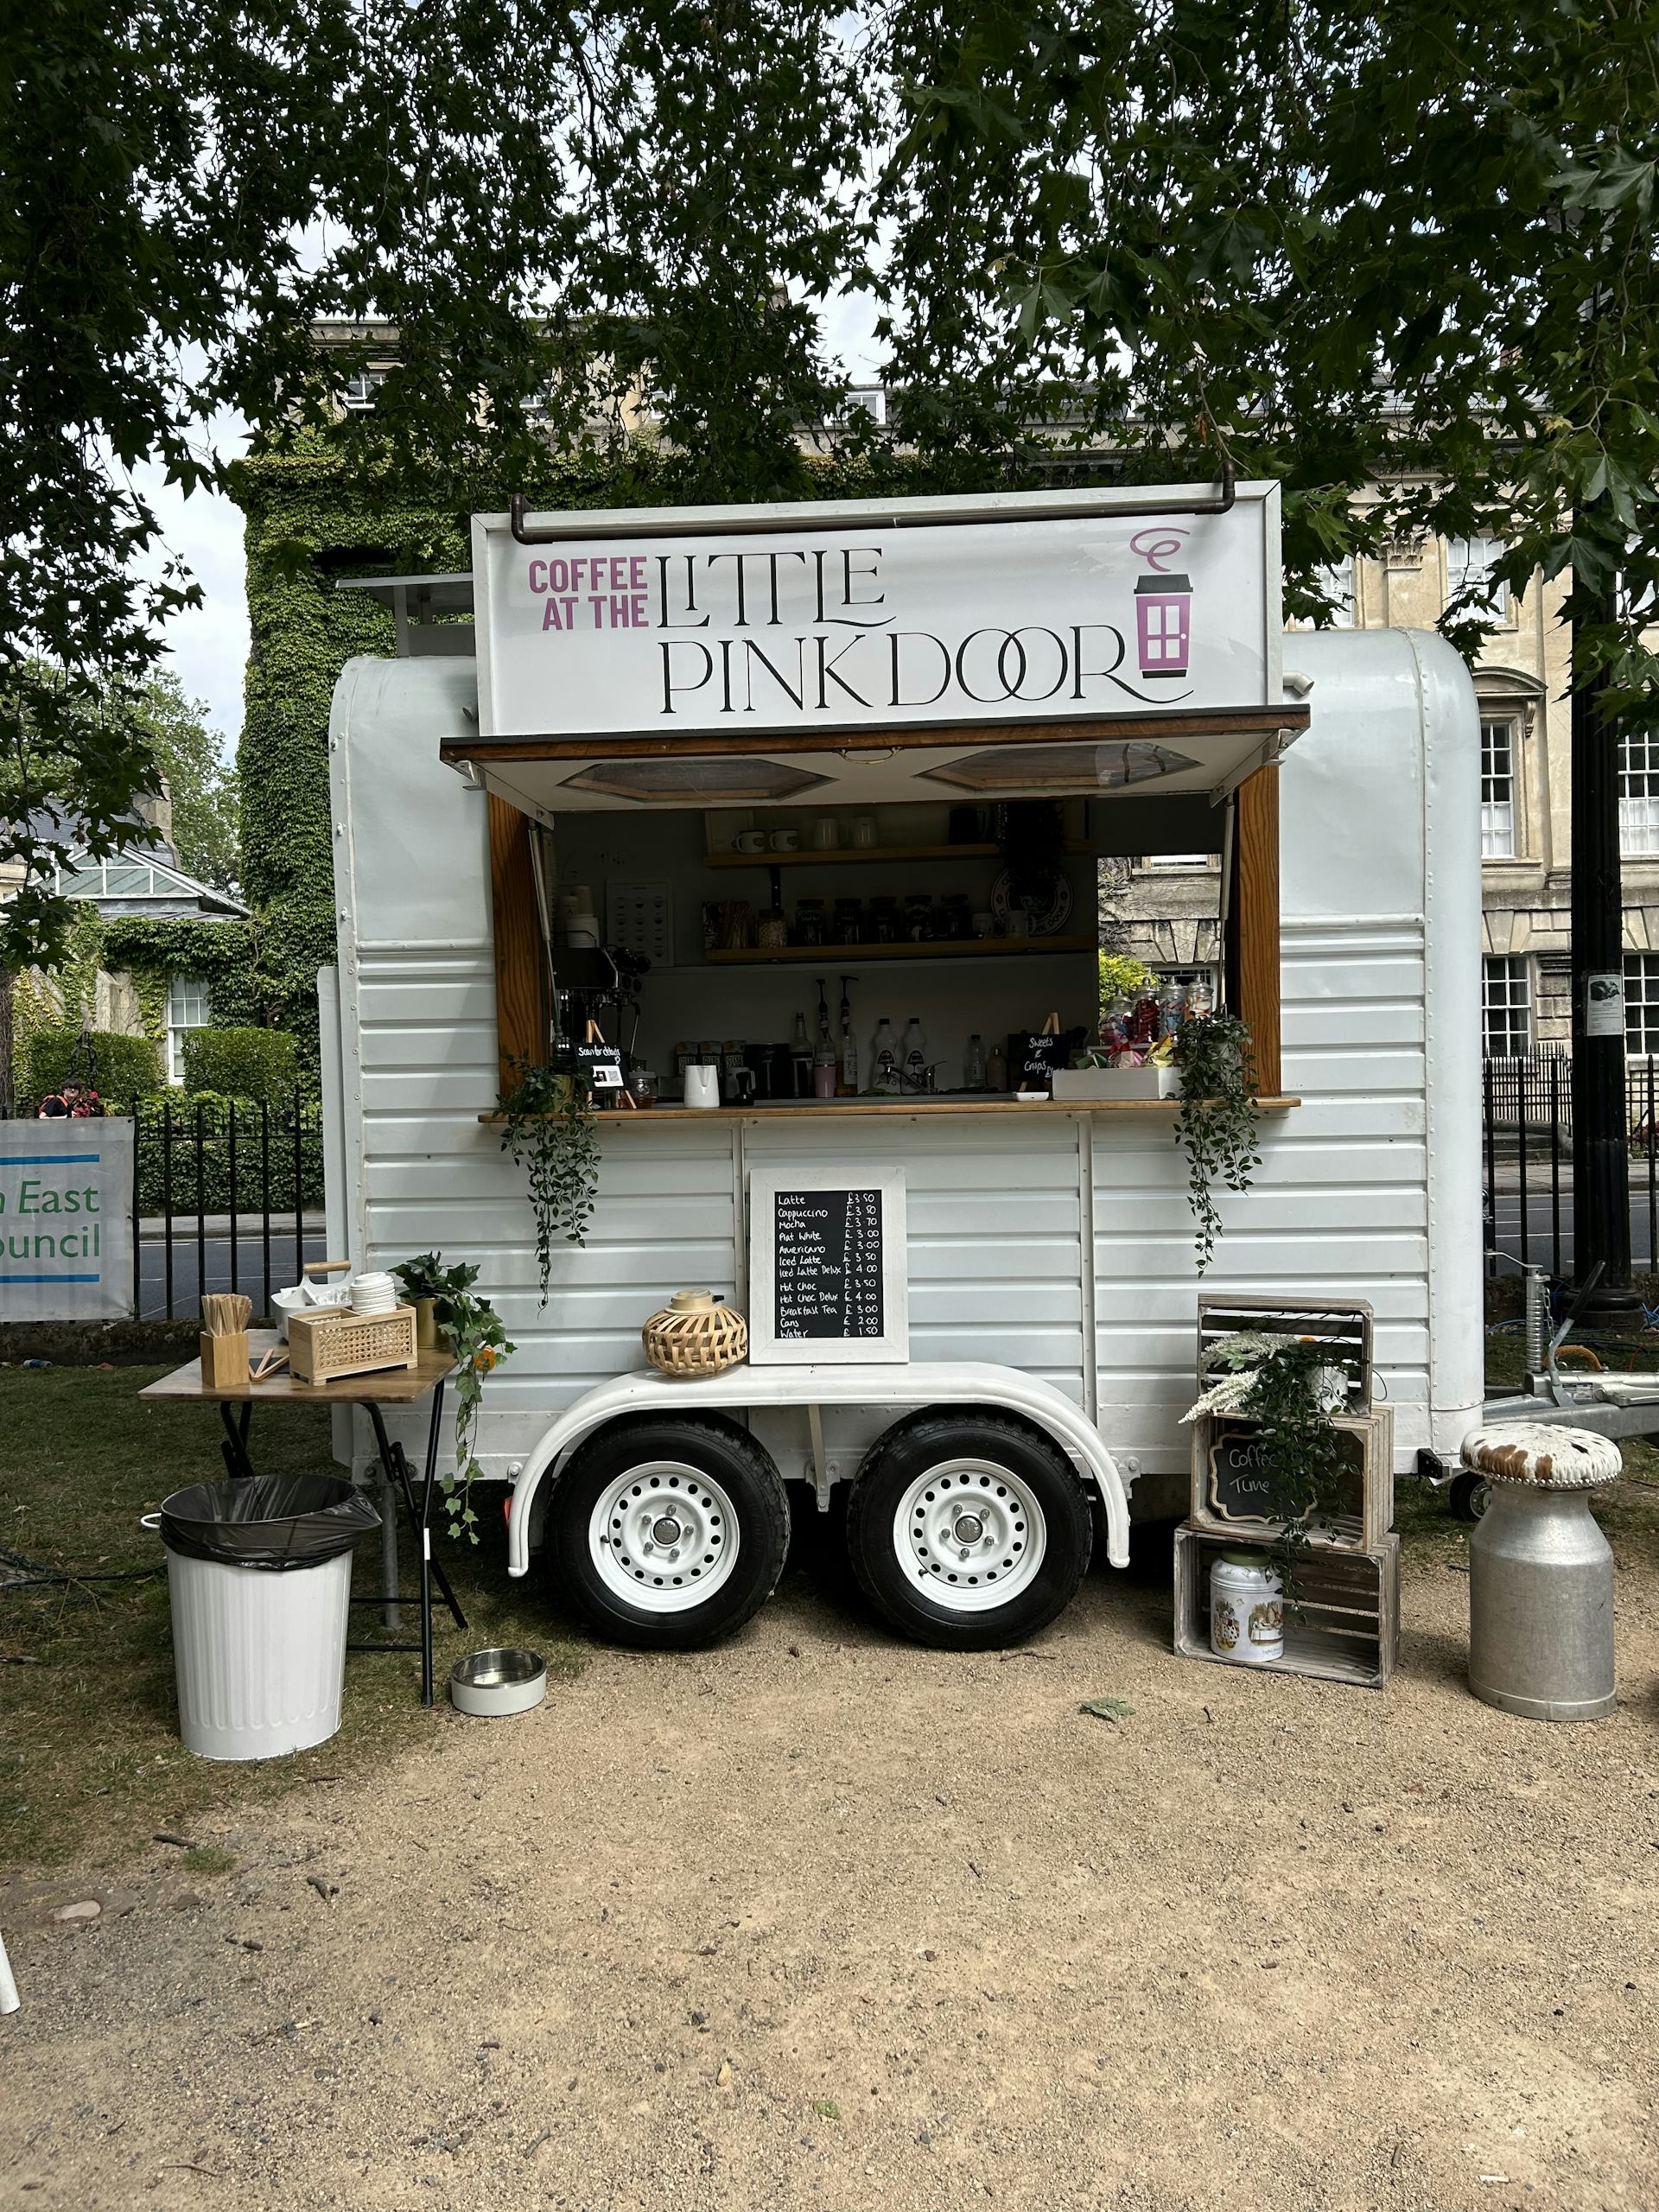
(1343, 1626)
(332, 1342)
(1367, 1488)
(1342, 1327)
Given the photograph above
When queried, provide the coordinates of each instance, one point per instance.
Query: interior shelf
(978, 948)
(859, 855)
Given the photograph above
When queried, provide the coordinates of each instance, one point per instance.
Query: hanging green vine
(550, 1133)
(1217, 1127)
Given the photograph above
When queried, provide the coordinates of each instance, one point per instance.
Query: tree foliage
(1406, 251)
(1401, 251)
(201, 787)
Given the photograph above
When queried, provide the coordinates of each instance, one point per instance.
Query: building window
(187, 1009)
(1506, 1006)
(1337, 585)
(1641, 1003)
(1469, 562)
(1496, 787)
(357, 394)
(1638, 793)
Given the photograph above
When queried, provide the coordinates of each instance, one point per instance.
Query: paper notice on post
(1604, 1004)
(65, 1220)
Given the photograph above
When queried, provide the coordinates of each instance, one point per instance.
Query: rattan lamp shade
(693, 1336)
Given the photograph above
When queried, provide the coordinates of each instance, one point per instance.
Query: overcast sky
(209, 647)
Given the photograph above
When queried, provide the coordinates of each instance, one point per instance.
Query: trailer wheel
(967, 1532)
(1469, 1495)
(668, 1534)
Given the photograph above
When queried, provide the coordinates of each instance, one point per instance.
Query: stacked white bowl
(373, 1294)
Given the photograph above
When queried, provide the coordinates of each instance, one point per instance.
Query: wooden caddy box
(332, 1342)
(1343, 1624)
(1219, 1498)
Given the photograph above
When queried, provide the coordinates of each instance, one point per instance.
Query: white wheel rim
(970, 1534)
(664, 1536)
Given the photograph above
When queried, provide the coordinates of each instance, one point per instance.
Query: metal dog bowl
(491, 1683)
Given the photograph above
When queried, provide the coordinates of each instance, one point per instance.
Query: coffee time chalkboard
(827, 1279)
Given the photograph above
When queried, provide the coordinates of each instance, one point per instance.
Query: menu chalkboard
(827, 1265)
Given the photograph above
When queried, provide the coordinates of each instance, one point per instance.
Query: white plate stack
(373, 1294)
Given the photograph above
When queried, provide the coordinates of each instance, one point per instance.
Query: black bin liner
(274, 1523)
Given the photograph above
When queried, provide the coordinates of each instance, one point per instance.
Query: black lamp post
(1601, 1185)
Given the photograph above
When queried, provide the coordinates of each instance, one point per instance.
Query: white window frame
(1640, 1004)
(189, 1006)
(1638, 795)
(1500, 742)
(1338, 584)
(1471, 559)
(1506, 992)
(357, 394)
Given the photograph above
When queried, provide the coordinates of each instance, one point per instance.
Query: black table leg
(235, 1416)
(394, 1459)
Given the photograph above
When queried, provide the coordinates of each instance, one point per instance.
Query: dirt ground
(819, 1921)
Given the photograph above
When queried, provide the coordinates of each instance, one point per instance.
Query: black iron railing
(1527, 1160)
(227, 1195)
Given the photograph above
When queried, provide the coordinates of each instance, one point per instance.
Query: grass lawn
(91, 1764)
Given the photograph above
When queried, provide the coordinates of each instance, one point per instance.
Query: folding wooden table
(397, 1387)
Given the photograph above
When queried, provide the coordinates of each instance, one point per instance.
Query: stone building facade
(1164, 909)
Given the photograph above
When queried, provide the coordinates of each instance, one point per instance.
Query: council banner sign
(65, 1220)
(877, 614)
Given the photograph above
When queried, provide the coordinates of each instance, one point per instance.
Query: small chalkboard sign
(827, 1279)
(1238, 1483)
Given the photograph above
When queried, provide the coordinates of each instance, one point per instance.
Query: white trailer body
(1057, 1243)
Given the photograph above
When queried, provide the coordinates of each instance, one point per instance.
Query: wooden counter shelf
(809, 1109)
(861, 855)
(959, 947)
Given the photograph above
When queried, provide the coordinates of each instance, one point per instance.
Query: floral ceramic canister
(1247, 1609)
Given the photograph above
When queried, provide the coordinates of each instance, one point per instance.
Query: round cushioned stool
(1540, 1573)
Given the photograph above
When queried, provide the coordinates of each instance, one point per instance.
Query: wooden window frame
(1251, 950)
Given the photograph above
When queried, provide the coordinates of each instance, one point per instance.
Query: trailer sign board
(65, 1220)
(886, 616)
(827, 1265)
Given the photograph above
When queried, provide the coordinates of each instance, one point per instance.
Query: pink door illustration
(1163, 607)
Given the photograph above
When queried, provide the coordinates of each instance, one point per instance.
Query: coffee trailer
(646, 696)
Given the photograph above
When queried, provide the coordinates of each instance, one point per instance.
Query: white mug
(785, 841)
(702, 1085)
(749, 841)
(826, 834)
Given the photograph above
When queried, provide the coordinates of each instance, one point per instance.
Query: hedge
(122, 1067)
(264, 1133)
(242, 1063)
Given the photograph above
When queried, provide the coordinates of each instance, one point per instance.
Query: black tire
(746, 1500)
(898, 1584)
(1468, 1496)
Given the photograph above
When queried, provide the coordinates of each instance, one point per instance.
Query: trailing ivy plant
(1217, 1126)
(549, 1133)
(471, 1329)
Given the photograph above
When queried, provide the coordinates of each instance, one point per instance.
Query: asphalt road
(1540, 1218)
(153, 1303)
